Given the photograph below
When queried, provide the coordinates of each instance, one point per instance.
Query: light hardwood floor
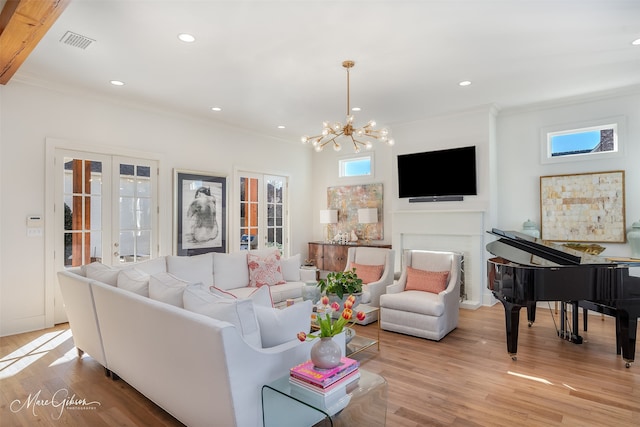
(467, 379)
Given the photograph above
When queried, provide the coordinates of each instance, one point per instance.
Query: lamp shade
(368, 216)
(328, 216)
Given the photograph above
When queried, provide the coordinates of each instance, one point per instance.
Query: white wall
(509, 166)
(519, 166)
(30, 115)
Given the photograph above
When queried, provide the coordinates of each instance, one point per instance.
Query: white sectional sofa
(202, 370)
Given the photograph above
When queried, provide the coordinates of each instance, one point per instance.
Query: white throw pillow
(291, 268)
(196, 268)
(152, 266)
(265, 269)
(134, 280)
(167, 288)
(239, 313)
(230, 270)
(260, 296)
(280, 326)
(101, 273)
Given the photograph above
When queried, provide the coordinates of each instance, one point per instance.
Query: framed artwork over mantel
(200, 213)
(584, 207)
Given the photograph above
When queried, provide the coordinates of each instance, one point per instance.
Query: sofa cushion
(153, 266)
(265, 269)
(259, 296)
(291, 268)
(102, 273)
(280, 326)
(197, 268)
(167, 288)
(230, 270)
(134, 280)
(238, 312)
(426, 281)
(368, 273)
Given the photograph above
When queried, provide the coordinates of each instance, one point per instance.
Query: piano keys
(526, 270)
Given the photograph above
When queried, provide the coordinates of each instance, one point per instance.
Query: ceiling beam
(23, 23)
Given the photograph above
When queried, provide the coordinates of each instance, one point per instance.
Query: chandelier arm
(333, 139)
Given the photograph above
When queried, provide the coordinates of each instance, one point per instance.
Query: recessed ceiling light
(216, 108)
(187, 38)
(356, 109)
(117, 83)
(636, 42)
(464, 83)
(281, 126)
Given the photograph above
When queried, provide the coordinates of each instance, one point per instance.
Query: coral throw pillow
(368, 273)
(426, 281)
(265, 269)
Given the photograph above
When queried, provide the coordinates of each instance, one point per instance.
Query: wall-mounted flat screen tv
(450, 172)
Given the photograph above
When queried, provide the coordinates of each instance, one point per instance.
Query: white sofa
(202, 370)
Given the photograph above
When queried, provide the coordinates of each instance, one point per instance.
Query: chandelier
(358, 136)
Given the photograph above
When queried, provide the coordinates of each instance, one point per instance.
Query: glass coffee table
(359, 343)
(363, 404)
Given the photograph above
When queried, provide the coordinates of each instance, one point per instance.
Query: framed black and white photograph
(200, 213)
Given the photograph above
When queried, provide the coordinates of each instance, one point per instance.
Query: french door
(105, 210)
(263, 211)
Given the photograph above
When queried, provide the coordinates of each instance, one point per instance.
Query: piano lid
(527, 250)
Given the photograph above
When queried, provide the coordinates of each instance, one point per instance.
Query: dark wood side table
(333, 257)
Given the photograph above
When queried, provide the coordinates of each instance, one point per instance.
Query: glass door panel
(82, 196)
(135, 211)
(249, 218)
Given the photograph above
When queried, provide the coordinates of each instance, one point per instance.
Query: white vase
(325, 353)
(634, 239)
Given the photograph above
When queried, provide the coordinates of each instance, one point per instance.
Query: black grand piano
(526, 270)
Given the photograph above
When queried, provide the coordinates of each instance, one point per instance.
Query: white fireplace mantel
(446, 230)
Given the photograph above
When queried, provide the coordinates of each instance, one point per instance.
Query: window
(580, 142)
(263, 200)
(356, 166)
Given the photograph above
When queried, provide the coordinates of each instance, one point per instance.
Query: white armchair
(428, 307)
(369, 260)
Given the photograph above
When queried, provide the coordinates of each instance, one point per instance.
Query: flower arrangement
(328, 327)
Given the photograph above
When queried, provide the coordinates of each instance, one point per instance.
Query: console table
(365, 404)
(332, 256)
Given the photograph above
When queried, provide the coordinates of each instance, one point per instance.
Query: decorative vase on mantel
(325, 353)
(634, 239)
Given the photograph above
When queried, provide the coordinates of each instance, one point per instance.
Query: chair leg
(80, 353)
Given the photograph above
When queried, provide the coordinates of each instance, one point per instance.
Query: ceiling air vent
(76, 40)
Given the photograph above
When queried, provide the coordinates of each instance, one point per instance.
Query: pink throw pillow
(426, 281)
(265, 270)
(368, 273)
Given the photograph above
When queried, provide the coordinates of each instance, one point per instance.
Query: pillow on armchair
(426, 281)
(368, 273)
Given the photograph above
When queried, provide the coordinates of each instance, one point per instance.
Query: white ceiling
(270, 63)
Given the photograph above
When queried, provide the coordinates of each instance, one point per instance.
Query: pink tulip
(302, 336)
(335, 306)
(348, 304)
(352, 299)
(325, 300)
(361, 315)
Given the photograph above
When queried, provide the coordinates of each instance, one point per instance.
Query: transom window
(356, 166)
(581, 143)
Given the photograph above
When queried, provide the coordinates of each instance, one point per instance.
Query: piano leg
(531, 313)
(628, 329)
(512, 321)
